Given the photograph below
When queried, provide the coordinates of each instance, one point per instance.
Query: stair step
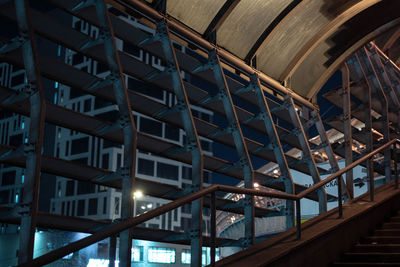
(381, 240)
(377, 248)
(391, 225)
(395, 219)
(387, 232)
(371, 257)
(366, 264)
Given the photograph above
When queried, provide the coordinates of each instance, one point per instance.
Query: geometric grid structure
(246, 103)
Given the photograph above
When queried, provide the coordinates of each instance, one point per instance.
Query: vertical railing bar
(340, 204)
(298, 219)
(213, 228)
(33, 148)
(396, 174)
(112, 251)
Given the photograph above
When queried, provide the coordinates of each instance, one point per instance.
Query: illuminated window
(185, 256)
(161, 255)
(137, 254)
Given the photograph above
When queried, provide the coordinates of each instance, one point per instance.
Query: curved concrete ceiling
(299, 41)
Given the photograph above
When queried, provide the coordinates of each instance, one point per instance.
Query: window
(131, 49)
(85, 188)
(150, 126)
(146, 167)
(18, 80)
(4, 196)
(80, 145)
(92, 209)
(206, 145)
(167, 171)
(87, 105)
(116, 205)
(112, 115)
(77, 59)
(104, 205)
(81, 207)
(105, 161)
(172, 132)
(70, 188)
(185, 256)
(137, 254)
(15, 140)
(187, 173)
(8, 178)
(161, 255)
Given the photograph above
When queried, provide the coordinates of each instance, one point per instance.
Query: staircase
(380, 249)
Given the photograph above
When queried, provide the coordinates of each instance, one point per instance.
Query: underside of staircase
(368, 233)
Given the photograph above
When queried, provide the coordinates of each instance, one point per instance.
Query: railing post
(396, 174)
(340, 196)
(112, 251)
(213, 229)
(298, 219)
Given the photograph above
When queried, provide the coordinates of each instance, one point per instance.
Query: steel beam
(275, 143)
(305, 147)
(359, 75)
(244, 159)
(348, 138)
(127, 123)
(193, 143)
(28, 207)
(378, 92)
(329, 152)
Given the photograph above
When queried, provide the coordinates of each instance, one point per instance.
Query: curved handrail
(114, 229)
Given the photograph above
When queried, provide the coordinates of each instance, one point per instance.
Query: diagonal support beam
(305, 147)
(348, 134)
(359, 75)
(33, 147)
(275, 144)
(241, 148)
(127, 124)
(379, 92)
(193, 142)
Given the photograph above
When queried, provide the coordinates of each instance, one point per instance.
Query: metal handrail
(114, 229)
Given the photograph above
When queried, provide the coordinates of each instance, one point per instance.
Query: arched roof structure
(299, 41)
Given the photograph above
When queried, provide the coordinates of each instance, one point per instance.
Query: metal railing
(114, 229)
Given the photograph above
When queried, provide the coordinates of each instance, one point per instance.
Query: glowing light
(138, 194)
(100, 263)
(149, 206)
(256, 185)
(143, 207)
(275, 171)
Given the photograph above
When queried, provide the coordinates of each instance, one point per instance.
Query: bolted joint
(125, 172)
(30, 88)
(170, 68)
(104, 34)
(23, 208)
(247, 201)
(161, 30)
(213, 58)
(190, 146)
(194, 233)
(246, 242)
(29, 147)
(125, 121)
